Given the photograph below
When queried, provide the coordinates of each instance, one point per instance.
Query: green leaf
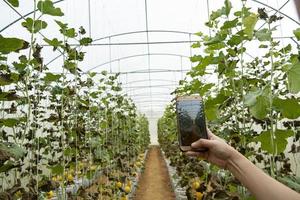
(216, 14)
(198, 34)
(8, 166)
(230, 24)
(57, 169)
(297, 33)
(65, 31)
(250, 98)
(61, 24)
(214, 40)
(260, 109)
(258, 102)
(34, 26)
(71, 66)
(228, 7)
(212, 113)
(196, 58)
(280, 140)
(263, 46)
(196, 45)
(263, 35)
(293, 76)
(235, 40)
(289, 108)
(8, 45)
(14, 3)
(249, 23)
(12, 150)
(11, 122)
(7, 79)
(54, 42)
(85, 41)
(51, 77)
(9, 96)
(69, 151)
(286, 49)
(69, 32)
(46, 7)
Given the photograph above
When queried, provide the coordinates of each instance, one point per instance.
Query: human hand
(219, 152)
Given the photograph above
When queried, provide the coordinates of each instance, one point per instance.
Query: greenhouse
(149, 100)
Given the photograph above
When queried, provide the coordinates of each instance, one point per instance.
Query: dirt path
(155, 182)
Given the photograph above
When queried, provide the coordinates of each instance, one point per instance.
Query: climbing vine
(64, 134)
(251, 101)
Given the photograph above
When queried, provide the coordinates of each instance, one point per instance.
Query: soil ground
(155, 181)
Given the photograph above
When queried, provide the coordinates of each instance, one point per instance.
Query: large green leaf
(280, 140)
(289, 108)
(8, 45)
(46, 7)
(260, 108)
(212, 113)
(297, 33)
(258, 102)
(34, 26)
(293, 75)
(14, 3)
(249, 23)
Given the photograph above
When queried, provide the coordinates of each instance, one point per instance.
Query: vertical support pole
(110, 67)
(90, 25)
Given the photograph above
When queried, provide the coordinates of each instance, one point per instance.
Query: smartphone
(191, 124)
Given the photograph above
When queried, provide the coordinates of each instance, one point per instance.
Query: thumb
(202, 143)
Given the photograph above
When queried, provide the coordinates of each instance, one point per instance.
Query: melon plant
(251, 101)
(61, 126)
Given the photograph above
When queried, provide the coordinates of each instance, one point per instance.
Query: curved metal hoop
(130, 89)
(137, 55)
(146, 80)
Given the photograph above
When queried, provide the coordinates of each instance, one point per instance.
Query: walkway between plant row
(155, 181)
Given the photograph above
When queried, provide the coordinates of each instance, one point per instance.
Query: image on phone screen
(191, 121)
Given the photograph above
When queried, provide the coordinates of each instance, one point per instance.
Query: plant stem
(273, 167)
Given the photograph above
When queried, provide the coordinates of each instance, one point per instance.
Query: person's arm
(261, 185)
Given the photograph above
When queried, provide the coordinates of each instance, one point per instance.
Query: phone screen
(191, 121)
